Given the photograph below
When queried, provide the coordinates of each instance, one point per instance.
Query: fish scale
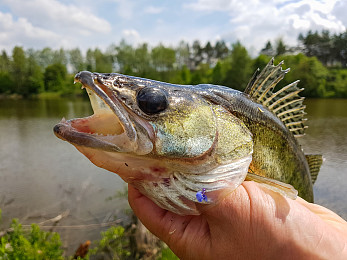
(185, 145)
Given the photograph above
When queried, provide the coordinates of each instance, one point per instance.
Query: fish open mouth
(109, 128)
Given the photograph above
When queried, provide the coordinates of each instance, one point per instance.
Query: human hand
(251, 222)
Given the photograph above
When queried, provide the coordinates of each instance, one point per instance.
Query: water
(42, 176)
(327, 135)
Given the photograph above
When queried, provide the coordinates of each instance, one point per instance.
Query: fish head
(155, 135)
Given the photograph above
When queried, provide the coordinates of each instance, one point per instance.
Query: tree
(60, 56)
(54, 77)
(208, 53)
(125, 57)
(163, 58)
(339, 49)
(337, 83)
(6, 82)
(260, 62)
(142, 61)
(185, 75)
(311, 73)
(281, 48)
(76, 60)
(44, 57)
(90, 61)
(18, 69)
(201, 75)
(182, 54)
(4, 62)
(103, 62)
(268, 49)
(34, 83)
(319, 45)
(240, 70)
(221, 50)
(196, 55)
(217, 74)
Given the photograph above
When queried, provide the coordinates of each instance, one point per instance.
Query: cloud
(22, 32)
(254, 22)
(42, 23)
(131, 36)
(54, 15)
(339, 11)
(125, 9)
(153, 10)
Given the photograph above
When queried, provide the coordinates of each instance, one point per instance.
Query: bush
(33, 244)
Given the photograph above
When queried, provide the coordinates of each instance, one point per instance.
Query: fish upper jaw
(112, 127)
(92, 82)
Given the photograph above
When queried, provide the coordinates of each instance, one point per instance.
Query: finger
(325, 214)
(162, 223)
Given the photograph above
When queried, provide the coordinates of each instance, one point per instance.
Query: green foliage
(260, 62)
(54, 77)
(337, 82)
(34, 244)
(114, 244)
(280, 47)
(321, 69)
(18, 243)
(163, 58)
(6, 83)
(167, 254)
(240, 68)
(311, 73)
(328, 48)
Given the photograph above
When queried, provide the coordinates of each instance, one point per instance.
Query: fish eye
(151, 100)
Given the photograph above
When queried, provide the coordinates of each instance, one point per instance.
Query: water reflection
(327, 135)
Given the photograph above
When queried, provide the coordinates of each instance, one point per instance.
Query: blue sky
(89, 23)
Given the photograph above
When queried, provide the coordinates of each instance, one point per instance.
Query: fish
(185, 145)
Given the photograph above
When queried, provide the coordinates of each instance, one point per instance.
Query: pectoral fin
(285, 189)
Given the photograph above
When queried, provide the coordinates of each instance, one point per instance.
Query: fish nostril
(77, 77)
(99, 80)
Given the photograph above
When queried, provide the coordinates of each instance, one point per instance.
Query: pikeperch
(181, 145)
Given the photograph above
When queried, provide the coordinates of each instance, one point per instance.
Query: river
(42, 176)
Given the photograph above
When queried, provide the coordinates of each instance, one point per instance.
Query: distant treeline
(319, 62)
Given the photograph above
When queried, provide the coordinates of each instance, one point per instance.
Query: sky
(90, 24)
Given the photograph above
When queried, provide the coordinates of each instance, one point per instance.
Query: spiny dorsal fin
(314, 163)
(285, 103)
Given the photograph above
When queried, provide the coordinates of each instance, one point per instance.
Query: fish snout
(84, 77)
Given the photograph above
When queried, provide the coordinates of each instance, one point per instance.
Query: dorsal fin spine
(294, 123)
(289, 103)
(263, 72)
(295, 109)
(285, 103)
(271, 87)
(292, 94)
(280, 91)
(278, 67)
(291, 117)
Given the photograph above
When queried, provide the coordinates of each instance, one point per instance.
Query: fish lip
(128, 141)
(92, 82)
(65, 131)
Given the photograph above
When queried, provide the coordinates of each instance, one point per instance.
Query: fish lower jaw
(77, 132)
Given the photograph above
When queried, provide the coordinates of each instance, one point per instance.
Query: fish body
(184, 145)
